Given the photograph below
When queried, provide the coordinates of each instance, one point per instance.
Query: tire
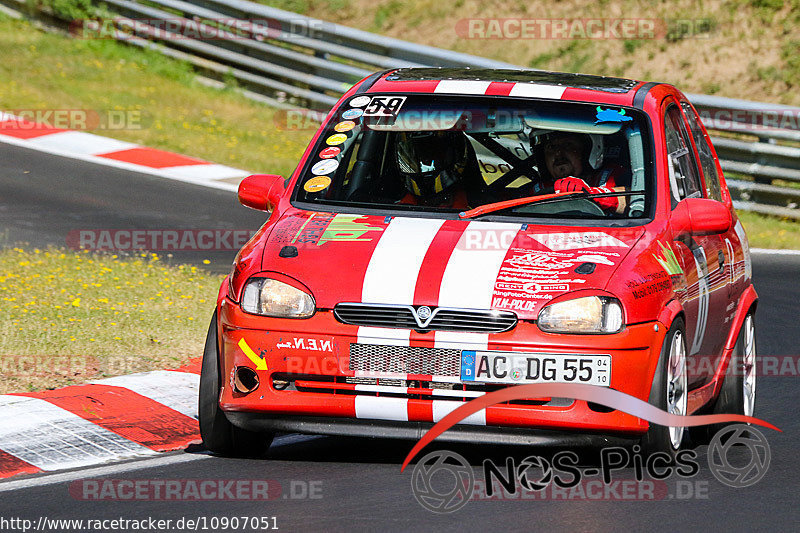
(740, 378)
(219, 435)
(669, 392)
(738, 392)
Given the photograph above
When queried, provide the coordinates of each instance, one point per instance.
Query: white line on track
(129, 466)
(767, 251)
(119, 468)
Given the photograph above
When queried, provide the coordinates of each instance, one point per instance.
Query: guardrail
(291, 60)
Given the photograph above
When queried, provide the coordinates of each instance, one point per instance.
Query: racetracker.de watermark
(73, 119)
(767, 366)
(30, 366)
(160, 240)
(583, 28)
(751, 120)
(546, 245)
(414, 119)
(200, 29)
(348, 119)
(763, 366)
(194, 489)
(49, 365)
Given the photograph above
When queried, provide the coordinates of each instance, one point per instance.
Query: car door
(701, 257)
(716, 190)
(736, 257)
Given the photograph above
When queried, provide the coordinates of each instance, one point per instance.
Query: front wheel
(738, 393)
(219, 435)
(669, 392)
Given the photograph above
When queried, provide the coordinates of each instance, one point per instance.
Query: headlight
(270, 297)
(589, 314)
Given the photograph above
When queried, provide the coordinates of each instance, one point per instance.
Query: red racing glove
(572, 184)
(609, 203)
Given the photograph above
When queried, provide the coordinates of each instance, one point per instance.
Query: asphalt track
(357, 482)
(45, 197)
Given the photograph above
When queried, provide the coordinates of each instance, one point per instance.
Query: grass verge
(70, 316)
(770, 232)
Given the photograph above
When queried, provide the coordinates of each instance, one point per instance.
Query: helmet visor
(423, 153)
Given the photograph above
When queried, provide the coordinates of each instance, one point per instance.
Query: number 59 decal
(384, 106)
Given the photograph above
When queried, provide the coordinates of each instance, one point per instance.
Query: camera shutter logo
(526, 473)
(442, 481)
(723, 448)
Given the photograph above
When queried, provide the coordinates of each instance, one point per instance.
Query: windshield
(453, 154)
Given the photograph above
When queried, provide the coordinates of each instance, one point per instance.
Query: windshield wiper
(543, 198)
(505, 204)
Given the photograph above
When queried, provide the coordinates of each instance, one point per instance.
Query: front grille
(405, 359)
(401, 388)
(441, 318)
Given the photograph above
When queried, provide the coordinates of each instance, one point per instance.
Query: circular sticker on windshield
(326, 166)
(359, 101)
(350, 114)
(317, 184)
(329, 152)
(336, 138)
(347, 125)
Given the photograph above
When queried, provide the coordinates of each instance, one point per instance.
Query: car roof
(509, 82)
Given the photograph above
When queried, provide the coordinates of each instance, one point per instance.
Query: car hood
(442, 263)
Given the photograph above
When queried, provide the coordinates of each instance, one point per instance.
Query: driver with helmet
(574, 162)
(432, 166)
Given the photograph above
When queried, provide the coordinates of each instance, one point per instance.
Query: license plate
(515, 367)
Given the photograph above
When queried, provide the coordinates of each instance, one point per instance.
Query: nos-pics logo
(444, 481)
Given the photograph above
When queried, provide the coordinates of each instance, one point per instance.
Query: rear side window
(713, 189)
(683, 173)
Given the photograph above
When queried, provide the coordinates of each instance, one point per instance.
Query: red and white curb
(114, 153)
(125, 417)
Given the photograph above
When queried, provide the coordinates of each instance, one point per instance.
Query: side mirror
(701, 216)
(261, 191)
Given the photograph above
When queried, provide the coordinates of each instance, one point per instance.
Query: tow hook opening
(245, 380)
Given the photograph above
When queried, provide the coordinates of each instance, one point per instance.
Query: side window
(683, 172)
(713, 189)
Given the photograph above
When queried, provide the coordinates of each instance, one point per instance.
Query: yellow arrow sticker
(261, 364)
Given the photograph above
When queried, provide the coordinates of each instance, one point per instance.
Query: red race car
(452, 232)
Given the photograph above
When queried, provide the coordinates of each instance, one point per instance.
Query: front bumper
(386, 429)
(315, 352)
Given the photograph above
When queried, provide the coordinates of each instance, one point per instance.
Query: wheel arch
(747, 302)
(672, 310)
